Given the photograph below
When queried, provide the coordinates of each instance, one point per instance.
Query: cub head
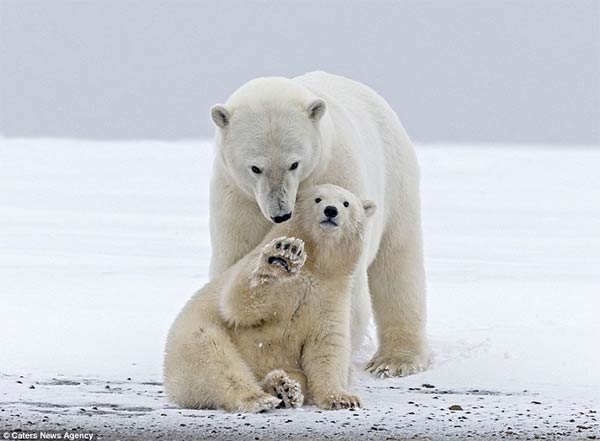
(328, 213)
(269, 141)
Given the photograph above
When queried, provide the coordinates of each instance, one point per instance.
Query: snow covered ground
(102, 243)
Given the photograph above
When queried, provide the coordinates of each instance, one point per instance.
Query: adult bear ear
(369, 207)
(220, 115)
(316, 109)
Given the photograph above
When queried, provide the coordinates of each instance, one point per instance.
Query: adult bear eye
(294, 166)
(346, 204)
(318, 200)
(256, 170)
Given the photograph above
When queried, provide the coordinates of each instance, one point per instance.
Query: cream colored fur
(317, 129)
(274, 329)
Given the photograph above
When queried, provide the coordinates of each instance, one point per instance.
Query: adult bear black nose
(283, 218)
(330, 211)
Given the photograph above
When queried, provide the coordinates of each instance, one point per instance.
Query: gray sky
(454, 70)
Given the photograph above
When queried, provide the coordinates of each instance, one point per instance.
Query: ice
(103, 242)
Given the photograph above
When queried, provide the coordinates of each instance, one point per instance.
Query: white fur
(274, 329)
(354, 140)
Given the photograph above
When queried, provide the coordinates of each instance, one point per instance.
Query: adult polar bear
(275, 135)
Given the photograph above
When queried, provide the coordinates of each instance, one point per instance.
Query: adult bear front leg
(236, 224)
(397, 287)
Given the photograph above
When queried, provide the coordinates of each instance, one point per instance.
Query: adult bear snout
(282, 218)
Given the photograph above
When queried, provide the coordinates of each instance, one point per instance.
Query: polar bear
(281, 314)
(276, 136)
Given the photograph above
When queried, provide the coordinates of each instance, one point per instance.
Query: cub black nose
(283, 218)
(330, 211)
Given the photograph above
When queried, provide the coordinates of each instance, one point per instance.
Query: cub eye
(256, 170)
(317, 200)
(346, 204)
(294, 166)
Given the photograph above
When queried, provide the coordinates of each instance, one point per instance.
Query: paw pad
(286, 253)
(278, 384)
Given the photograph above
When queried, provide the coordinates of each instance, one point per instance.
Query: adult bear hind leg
(397, 287)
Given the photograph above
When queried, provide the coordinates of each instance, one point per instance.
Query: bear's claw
(383, 366)
(338, 401)
(286, 253)
(278, 384)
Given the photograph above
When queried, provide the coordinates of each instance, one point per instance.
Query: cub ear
(369, 207)
(220, 115)
(316, 109)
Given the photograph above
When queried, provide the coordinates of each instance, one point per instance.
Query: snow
(102, 243)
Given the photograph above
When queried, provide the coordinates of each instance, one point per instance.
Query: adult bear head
(269, 141)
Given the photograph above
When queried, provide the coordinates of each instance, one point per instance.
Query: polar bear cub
(274, 329)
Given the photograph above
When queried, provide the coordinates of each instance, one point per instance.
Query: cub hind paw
(280, 385)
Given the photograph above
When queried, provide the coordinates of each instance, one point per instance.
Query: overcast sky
(454, 70)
